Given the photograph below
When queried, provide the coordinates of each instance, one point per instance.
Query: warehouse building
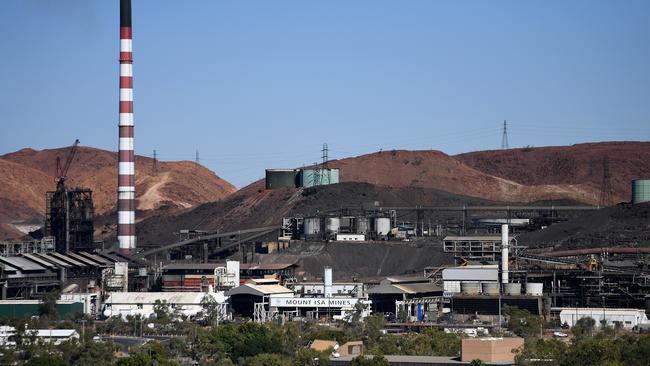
(125, 304)
(625, 318)
(396, 288)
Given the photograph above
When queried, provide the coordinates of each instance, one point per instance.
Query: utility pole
(606, 194)
(504, 137)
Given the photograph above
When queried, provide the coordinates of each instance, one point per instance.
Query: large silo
(640, 190)
(362, 225)
(382, 226)
(311, 226)
(332, 225)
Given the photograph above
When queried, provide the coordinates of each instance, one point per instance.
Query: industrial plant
(454, 267)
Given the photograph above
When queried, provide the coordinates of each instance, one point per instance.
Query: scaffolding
(11, 248)
(69, 218)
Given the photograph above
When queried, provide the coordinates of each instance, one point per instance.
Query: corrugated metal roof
(67, 259)
(38, 260)
(202, 266)
(96, 258)
(47, 333)
(405, 288)
(54, 260)
(259, 290)
(266, 266)
(83, 260)
(22, 263)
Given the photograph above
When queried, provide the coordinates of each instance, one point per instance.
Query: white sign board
(297, 302)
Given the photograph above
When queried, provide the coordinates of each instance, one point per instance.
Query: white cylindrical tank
(382, 225)
(512, 289)
(490, 288)
(328, 282)
(504, 253)
(232, 269)
(311, 226)
(333, 224)
(470, 288)
(534, 289)
(362, 225)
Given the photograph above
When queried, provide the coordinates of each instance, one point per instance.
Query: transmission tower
(323, 169)
(155, 164)
(606, 193)
(196, 158)
(504, 137)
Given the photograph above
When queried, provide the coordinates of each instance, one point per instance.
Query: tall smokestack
(505, 244)
(328, 282)
(126, 158)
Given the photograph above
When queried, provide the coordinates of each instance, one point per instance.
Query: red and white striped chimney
(126, 160)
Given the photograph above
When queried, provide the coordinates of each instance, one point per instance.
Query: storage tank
(534, 289)
(311, 226)
(382, 225)
(640, 190)
(362, 225)
(277, 178)
(490, 288)
(333, 224)
(470, 288)
(512, 289)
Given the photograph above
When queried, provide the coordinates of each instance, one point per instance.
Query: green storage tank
(318, 177)
(640, 190)
(278, 178)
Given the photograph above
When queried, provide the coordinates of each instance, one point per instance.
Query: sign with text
(320, 302)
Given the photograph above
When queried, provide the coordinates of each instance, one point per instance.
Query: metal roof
(48, 333)
(39, 260)
(96, 258)
(84, 260)
(474, 238)
(266, 266)
(202, 266)
(54, 260)
(22, 263)
(259, 290)
(190, 298)
(67, 259)
(405, 288)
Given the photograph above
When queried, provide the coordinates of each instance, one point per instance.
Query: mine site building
(249, 297)
(123, 304)
(419, 296)
(625, 318)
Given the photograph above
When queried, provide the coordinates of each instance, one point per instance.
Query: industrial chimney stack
(126, 158)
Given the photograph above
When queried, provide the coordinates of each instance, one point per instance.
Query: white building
(142, 303)
(453, 277)
(350, 237)
(627, 318)
(6, 334)
(54, 336)
(90, 301)
(347, 289)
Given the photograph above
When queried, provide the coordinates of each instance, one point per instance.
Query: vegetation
(287, 344)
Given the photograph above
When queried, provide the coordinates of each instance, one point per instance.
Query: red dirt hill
(578, 166)
(27, 174)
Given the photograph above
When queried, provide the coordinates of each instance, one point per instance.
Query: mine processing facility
(247, 271)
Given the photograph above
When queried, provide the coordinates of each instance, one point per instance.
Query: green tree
(583, 328)
(210, 309)
(48, 306)
(162, 311)
(477, 362)
(522, 322)
(369, 361)
(267, 359)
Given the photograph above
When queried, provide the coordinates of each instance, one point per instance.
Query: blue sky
(257, 84)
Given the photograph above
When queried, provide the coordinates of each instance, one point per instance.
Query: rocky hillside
(27, 174)
(578, 167)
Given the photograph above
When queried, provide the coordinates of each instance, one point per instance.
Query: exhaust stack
(328, 282)
(126, 158)
(505, 243)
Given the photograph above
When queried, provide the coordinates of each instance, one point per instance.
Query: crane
(62, 171)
